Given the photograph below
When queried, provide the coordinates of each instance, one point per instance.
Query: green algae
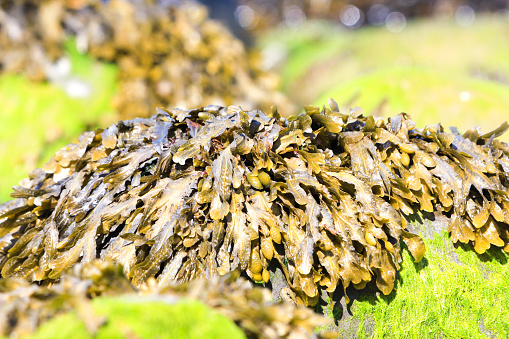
(429, 96)
(136, 319)
(422, 71)
(453, 293)
(40, 118)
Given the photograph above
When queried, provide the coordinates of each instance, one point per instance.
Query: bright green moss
(435, 43)
(37, 119)
(422, 71)
(452, 293)
(429, 96)
(126, 318)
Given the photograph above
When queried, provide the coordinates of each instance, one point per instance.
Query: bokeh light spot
(396, 22)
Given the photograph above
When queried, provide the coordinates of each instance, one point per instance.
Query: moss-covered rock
(127, 317)
(432, 95)
(431, 69)
(39, 118)
(454, 293)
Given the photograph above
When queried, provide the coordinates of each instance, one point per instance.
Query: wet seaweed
(198, 193)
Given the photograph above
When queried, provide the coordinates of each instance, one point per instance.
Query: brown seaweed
(323, 196)
(166, 53)
(25, 306)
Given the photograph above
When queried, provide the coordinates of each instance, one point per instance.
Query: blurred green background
(434, 69)
(40, 118)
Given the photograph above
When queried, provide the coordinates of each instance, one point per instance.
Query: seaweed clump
(26, 306)
(165, 53)
(198, 193)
